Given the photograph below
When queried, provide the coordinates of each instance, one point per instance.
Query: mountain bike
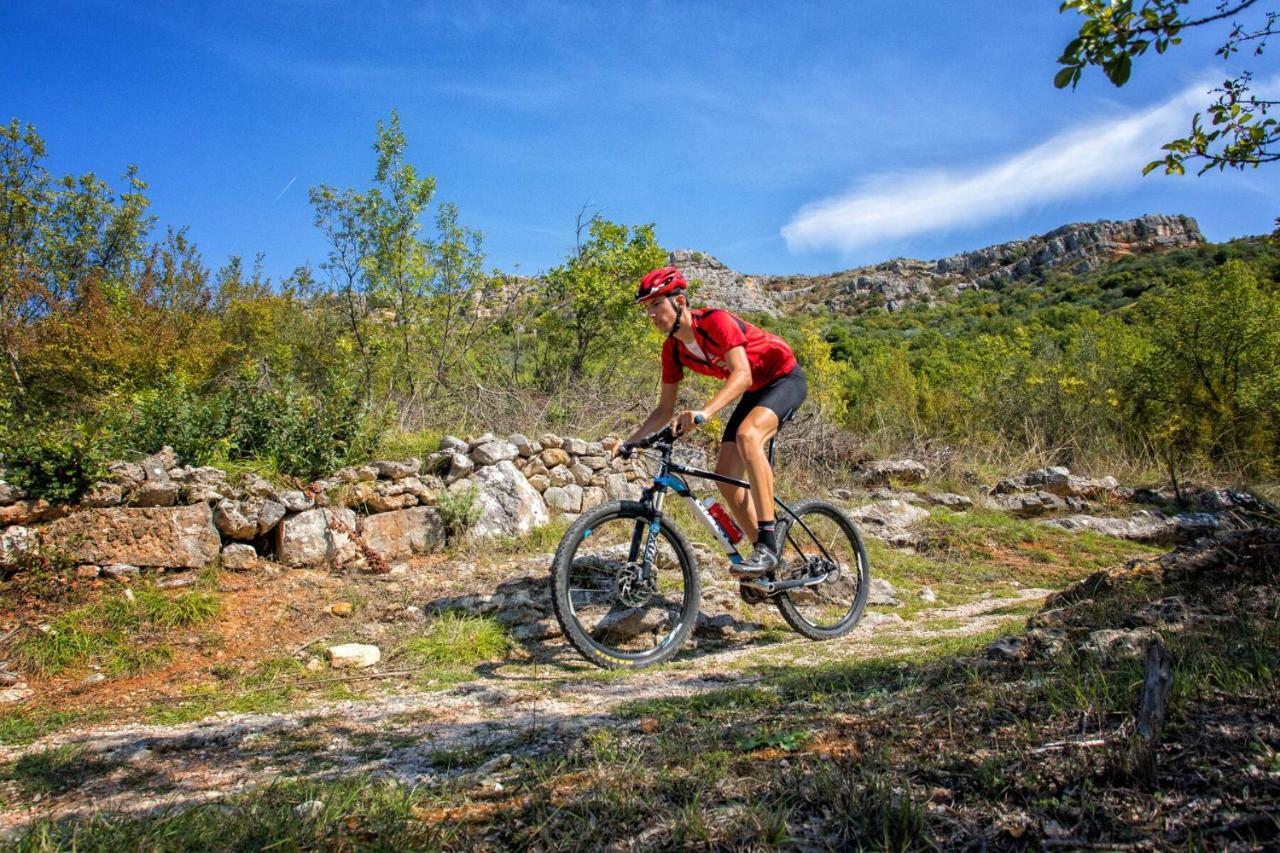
(625, 581)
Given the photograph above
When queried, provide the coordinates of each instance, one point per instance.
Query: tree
(1234, 131)
(63, 241)
(591, 297)
(1208, 385)
(412, 304)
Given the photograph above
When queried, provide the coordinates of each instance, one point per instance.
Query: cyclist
(754, 364)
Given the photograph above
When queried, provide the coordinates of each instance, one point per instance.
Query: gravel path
(471, 730)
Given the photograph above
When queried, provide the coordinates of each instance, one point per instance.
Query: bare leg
(757, 428)
(736, 498)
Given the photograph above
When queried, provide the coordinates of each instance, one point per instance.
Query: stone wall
(157, 513)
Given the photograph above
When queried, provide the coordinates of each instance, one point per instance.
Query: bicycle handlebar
(663, 436)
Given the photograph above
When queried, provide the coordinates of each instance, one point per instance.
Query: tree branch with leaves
(1235, 130)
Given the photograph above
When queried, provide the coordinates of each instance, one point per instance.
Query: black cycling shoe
(761, 561)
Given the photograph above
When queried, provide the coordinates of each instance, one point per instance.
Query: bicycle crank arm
(769, 587)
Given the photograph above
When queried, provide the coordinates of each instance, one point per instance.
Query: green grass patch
(357, 813)
(57, 770)
(26, 725)
(537, 540)
(117, 632)
(402, 445)
(457, 640)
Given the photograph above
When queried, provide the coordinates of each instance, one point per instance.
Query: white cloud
(1078, 162)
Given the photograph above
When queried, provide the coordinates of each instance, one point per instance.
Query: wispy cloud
(1079, 162)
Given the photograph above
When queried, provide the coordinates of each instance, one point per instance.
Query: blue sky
(780, 137)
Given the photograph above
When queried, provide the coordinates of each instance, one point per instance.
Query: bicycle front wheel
(625, 589)
(830, 548)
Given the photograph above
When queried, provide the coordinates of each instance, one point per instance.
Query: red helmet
(663, 281)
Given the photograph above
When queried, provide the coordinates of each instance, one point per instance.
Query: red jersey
(716, 331)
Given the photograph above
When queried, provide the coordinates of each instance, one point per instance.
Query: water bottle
(722, 518)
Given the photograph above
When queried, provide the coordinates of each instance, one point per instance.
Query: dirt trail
(472, 730)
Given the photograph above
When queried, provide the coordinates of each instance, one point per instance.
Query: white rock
(307, 537)
(238, 557)
(509, 506)
(354, 656)
(564, 498)
(493, 452)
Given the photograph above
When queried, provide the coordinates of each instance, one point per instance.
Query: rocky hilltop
(1076, 248)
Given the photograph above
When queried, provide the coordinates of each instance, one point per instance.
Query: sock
(767, 538)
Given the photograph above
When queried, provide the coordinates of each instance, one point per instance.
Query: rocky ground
(254, 701)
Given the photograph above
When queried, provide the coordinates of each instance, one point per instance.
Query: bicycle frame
(670, 476)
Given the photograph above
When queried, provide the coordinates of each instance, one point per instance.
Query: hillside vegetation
(118, 339)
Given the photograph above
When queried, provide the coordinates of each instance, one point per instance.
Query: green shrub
(55, 463)
(458, 511)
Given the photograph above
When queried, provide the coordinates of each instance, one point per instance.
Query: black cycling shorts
(782, 396)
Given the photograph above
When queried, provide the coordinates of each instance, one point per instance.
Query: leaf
(1063, 78)
(1120, 73)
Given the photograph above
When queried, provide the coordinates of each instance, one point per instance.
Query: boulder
(460, 468)
(295, 501)
(1030, 505)
(103, 495)
(523, 445)
(354, 656)
(550, 439)
(894, 513)
(380, 503)
(564, 498)
(127, 474)
(509, 506)
(493, 452)
(10, 493)
(581, 474)
(1119, 644)
(120, 571)
(487, 437)
(307, 538)
(890, 521)
(177, 537)
(269, 516)
(155, 469)
(26, 512)
(618, 488)
(595, 463)
(882, 592)
(575, 446)
(949, 500)
(15, 542)
(454, 444)
(560, 476)
(236, 520)
(554, 457)
(541, 482)
(398, 470)
(593, 496)
(884, 471)
(239, 557)
(156, 493)
(401, 533)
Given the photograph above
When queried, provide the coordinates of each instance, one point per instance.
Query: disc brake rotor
(630, 589)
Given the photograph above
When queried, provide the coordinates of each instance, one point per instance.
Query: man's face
(661, 313)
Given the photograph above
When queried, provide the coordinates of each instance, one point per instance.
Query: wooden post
(1155, 689)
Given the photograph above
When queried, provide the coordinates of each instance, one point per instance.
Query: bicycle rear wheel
(614, 609)
(831, 549)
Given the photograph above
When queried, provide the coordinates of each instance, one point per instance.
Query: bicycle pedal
(755, 591)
